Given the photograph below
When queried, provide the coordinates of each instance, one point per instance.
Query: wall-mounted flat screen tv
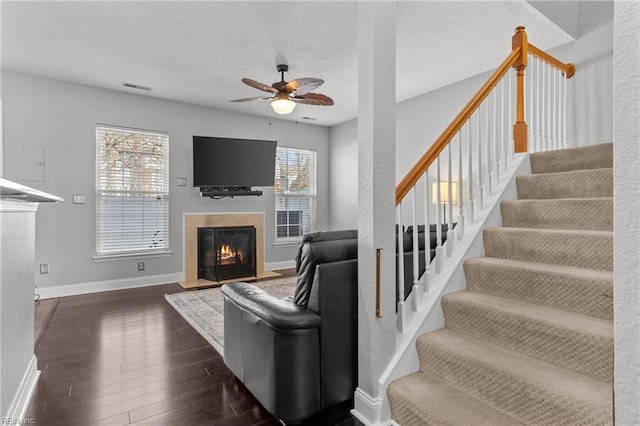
(227, 162)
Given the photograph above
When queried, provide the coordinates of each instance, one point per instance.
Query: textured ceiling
(196, 52)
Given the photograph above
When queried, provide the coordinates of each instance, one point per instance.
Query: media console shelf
(217, 192)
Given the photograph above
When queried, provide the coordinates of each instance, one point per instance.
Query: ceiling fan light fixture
(283, 105)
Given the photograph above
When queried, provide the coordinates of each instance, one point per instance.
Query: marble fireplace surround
(193, 221)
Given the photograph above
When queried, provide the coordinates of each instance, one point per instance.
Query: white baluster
(449, 202)
(496, 137)
(555, 108)
(501, 153)
(427, 234)
(543, 113)
(415, 294)
(549, 109)
(538, 135)
(438, 218)
(510, 147)
(470, 170)
(529, 84)
(460, 226)
(564, 111)
(488, 145)
(400, 255)
(480, 169)
(401, 318)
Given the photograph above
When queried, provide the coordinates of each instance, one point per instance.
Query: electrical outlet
(44, 268)
(140, 266)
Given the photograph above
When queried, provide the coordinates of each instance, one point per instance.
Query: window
(295, 192)
(132, 191)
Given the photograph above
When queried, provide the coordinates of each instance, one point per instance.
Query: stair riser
(580, 184)
(506, 391)
(579, 214)
(588, 296)
(588, 354)
(581, 250)
(588, 157)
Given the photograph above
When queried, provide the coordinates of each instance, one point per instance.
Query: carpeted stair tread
(580, 290)
(580, 158)
(595, 183)
(563, 213)
(416, 400)
(583, 249)
(533, 391)
(574, 341)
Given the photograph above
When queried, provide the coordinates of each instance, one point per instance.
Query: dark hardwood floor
(127, 357)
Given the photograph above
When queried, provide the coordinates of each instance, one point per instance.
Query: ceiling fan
(285, 95)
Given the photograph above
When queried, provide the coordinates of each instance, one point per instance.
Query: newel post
(519, 40)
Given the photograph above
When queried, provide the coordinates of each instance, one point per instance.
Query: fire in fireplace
(226, 253)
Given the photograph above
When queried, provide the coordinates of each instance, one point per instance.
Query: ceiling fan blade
(257, 98)
(303, 86)
(313, 99)
(259, 86)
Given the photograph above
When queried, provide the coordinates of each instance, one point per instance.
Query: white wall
(626, 225)
(17, 236)
(420, 120)
(344, 175)
(61, 118)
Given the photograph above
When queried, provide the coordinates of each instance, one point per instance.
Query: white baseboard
(20, 403)
(366, 408)
(284, 264)
(98, 286)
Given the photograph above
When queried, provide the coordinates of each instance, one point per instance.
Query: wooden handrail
(517, 59)
(405, 185)
(568, 69)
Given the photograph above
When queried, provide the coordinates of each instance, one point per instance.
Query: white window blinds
(295, 191)
(132, 191)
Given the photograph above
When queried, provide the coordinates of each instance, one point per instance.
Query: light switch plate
(78, 198)
(182, 181)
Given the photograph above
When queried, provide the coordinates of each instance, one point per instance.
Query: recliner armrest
(279, 313)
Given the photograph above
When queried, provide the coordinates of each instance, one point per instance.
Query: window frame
(141, 197)
(292, 240)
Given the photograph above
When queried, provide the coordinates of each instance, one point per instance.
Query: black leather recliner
(299, 357)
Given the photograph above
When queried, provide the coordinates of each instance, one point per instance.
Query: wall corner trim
(366, 408)
(20, 403)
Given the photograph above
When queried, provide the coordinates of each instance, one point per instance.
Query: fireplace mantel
(193, 221)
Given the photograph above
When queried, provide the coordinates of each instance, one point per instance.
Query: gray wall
(420, 120)
(17, 236)
(61, 118)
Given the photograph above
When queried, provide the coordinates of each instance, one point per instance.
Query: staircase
(531, 339)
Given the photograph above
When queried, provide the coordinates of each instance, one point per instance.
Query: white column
(626, 222)
(376, 200)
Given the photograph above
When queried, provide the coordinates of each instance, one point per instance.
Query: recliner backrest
(321, 247)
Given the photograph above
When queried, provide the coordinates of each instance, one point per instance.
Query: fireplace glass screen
(226, 253)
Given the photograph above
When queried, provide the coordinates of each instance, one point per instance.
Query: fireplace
(225, 253)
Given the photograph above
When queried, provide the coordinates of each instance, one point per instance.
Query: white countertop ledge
(16, 192)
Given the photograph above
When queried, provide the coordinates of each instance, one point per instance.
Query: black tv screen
(227, 162)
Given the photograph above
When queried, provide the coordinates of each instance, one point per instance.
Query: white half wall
(61, 117)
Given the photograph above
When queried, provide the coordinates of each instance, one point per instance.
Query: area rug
(204, 309)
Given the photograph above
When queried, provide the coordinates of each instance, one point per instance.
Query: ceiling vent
(137, 86)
